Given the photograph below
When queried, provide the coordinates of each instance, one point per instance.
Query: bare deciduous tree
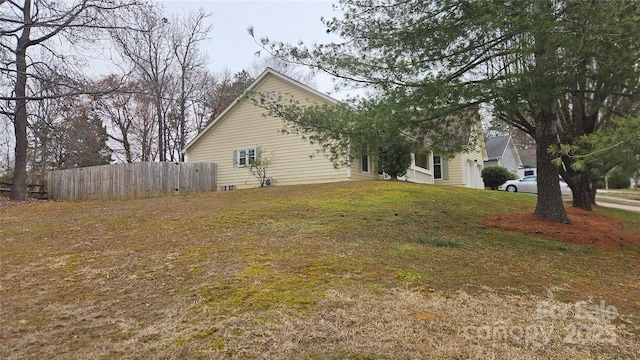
(187, 33)
(151, 54)
(130, 115)
(291, 70)
(167, 57)
(34, 24)
(203, 100)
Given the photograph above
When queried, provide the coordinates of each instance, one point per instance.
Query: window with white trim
(245, 157)
(437, 167)
(440, 167)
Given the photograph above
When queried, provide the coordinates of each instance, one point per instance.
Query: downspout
(348, 158)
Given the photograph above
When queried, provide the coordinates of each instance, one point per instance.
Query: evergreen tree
(534, 64)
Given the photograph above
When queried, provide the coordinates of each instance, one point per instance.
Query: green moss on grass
(403, 251)
(260, 287)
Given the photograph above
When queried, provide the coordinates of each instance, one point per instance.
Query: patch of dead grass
(391, 324)
(322, 271)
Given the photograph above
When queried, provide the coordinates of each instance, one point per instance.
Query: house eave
(256, 82)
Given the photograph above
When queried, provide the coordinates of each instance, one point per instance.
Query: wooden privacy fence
(128, 181)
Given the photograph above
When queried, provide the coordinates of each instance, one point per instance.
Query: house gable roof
(496, 146)
(528, 157)
(255, 85)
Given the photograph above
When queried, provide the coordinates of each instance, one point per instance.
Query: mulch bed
(586, 228)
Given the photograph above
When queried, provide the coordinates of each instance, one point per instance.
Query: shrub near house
(494, 176)
(618, 180)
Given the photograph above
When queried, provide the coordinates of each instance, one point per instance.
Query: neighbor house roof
(496, 146)
(267, 72)
(528, 157)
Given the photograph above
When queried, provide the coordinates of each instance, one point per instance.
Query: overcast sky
(232, 47)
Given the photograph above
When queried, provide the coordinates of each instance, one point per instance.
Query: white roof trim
(258, 80)
(515, 151)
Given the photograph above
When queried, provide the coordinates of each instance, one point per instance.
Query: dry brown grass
(322, 272)
(407, 324)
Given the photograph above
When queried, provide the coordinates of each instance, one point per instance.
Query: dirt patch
(6, 201)
(586, 228)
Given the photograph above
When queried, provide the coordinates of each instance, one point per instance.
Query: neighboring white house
(529, 163)
(241, 132)
(501, 151)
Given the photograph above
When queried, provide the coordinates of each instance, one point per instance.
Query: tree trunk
(594, 189)
(127, 149)
(583, 187)
(582, 193)
(158, 104)
(549, 205)
(183, 124)
(19, 188)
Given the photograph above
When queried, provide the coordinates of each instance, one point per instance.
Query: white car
(529, 184)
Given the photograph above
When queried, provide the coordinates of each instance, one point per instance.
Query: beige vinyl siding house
(241, 131)
(464, 168)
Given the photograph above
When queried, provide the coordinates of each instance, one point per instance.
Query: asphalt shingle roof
(496, 145)
(528, 157)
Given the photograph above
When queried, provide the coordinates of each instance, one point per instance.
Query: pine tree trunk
(549, 205)
(583, 194)
(594, 190)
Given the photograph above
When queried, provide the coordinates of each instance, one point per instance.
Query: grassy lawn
(360, 270)
(624, 194)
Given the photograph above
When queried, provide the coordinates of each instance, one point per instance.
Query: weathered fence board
(128, 181)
